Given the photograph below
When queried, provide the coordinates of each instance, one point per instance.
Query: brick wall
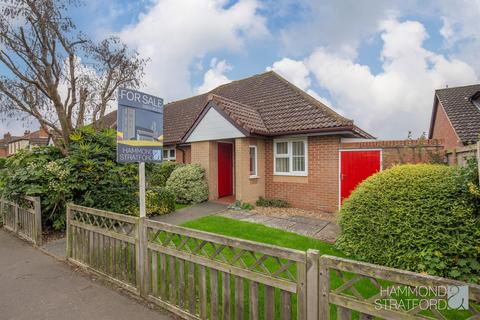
(442, 129)
(317, 191)
(205, 154)
(403, 151)
(249, 189)
(183, 154)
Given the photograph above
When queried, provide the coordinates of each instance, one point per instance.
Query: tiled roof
(245, 116)
(461, 111)
(282, 106)
(264, 104)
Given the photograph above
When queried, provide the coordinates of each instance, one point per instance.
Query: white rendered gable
(214, 126)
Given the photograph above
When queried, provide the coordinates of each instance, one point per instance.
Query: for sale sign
(139, 127)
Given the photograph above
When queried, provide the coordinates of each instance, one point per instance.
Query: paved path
(191, 213)
(306, 226)
(34, 285)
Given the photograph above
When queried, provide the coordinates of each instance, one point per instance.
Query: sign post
(141, 175)
(139, 133)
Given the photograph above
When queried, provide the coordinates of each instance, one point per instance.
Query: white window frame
(169, 158)
(256, 161)
(289, 155)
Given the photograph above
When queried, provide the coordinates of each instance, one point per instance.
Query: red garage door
(356, 166)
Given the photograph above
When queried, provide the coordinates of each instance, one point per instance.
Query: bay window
(290, 157)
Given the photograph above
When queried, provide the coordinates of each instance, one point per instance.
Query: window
(169, 154)
(290, 157)
(476, 102)
(253, 162)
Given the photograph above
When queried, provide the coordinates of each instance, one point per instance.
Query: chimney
(26, 132)
(7, 136)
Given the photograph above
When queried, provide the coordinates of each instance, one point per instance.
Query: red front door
(357, 166)
(225, 169)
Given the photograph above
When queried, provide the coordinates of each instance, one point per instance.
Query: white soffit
(214, 126)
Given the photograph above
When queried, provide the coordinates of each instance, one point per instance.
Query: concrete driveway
(34, 285)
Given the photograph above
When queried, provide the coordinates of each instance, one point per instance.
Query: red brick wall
(317, 191)
(403, 151)
(442, 129)
(3, 152)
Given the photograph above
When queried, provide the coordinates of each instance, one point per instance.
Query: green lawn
(261, 233)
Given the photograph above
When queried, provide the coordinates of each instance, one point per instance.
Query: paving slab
(311, 221)
(279, 223)
(238, 215)
(304, 229)
(34, 285)
(257, 218)
(57, 248)
(191, 213)
(329, 233)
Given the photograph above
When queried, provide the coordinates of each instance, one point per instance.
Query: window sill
(253, 177)
(290, 174)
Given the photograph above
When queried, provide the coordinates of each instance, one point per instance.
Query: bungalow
(261, 136)
(456, 116)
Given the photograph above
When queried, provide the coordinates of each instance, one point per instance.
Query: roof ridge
(311, 100)
(180, 100)
(468, 85)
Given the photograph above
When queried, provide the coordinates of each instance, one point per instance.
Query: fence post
(2, 213)
(312, 284)
(324, 288)
(15, 217)
(69, 232)
(141, 267)
(37, 206)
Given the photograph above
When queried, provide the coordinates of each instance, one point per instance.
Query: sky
(377, 62)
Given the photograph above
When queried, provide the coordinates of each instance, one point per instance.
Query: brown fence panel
(24, 218)
(200, 275)
(387, 293)
(105, 242)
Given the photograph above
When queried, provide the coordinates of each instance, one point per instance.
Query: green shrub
(414, 217)
(277, 203)
(159, 173)
(188, 184)
(88, 175)
(239, 205)
(159, 201)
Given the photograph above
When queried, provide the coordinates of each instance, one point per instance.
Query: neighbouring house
(456, 116)
(263, 136)
(7, 137)
(29, 140)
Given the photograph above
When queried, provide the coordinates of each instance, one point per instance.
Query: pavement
(34, 285)
(191, 213)
(307, 226)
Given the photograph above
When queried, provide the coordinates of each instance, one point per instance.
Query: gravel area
(294, 212)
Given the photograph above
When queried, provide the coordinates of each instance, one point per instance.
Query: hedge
(421, 218)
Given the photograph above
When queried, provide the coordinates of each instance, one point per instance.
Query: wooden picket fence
(199, 275)
(24, 218)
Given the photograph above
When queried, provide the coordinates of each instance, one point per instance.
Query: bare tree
(55, 73)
